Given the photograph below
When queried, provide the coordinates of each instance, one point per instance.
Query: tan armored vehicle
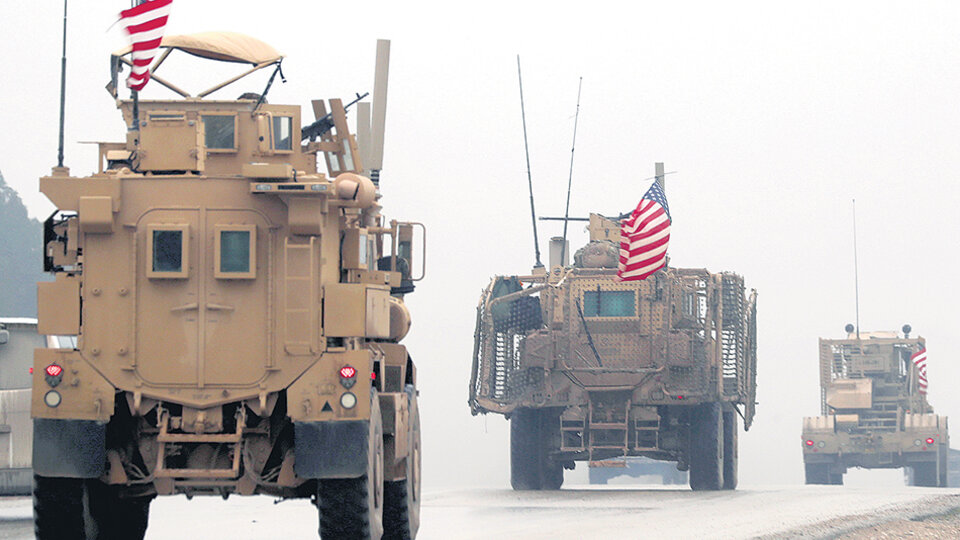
(238, 314)
(591, 369)
(873, 413)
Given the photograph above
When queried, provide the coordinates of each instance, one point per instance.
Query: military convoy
(239, 314)
(234, 314)
(588, 368)
(874, 412)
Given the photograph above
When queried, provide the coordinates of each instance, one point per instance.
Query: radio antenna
(526, 149)
(63, 84)
(566, 213)
(856, 277)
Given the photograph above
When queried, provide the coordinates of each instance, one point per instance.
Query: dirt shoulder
(932, 517)
(945, 525)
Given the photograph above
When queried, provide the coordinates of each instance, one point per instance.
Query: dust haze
(774, 117)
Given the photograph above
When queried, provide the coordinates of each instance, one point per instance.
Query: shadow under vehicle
(873, 412)
(238, 314)
(588, 368)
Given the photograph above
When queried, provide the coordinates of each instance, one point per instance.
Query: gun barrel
(325, 124)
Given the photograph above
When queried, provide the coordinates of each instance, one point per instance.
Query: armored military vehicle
(873, 411)
(238, 314)
(588, 368)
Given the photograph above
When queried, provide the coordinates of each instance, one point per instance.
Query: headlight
(348, 400)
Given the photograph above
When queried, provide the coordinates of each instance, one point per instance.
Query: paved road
(612, 512)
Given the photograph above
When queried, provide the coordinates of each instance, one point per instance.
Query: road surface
(583, 512)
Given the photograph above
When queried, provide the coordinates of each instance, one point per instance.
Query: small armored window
(235, 252)
(167, 251)
(220, 132)
(282, 131)
(600, 303)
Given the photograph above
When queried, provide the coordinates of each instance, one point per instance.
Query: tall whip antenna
(526, 149)
(63, 84)
(856, 277)
(566, 213)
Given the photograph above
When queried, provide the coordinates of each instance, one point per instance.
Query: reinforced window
(282, 133)
(167, 251)
(235, 252)
(600, 303)
(220, 132)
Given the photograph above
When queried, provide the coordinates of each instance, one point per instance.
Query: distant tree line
(21, 256)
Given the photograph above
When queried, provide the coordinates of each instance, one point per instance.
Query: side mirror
(4, 336)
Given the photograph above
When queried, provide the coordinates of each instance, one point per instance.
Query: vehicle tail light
(348, 376)
(53, 374)
(808, 442)
(930, 440)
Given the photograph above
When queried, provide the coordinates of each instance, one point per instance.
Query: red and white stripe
(643, 241)
(919, 359)
(145, 24)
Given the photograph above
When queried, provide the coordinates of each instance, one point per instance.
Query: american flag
(145, 24)
(919, 359)
(644, 237)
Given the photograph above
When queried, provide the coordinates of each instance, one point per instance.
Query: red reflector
(373, 375)
(348, 372)
(54, 370)
(31, 371)
(808, 442)
(930, 440)
(679, 397)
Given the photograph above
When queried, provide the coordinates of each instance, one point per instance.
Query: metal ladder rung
(165, 438)
(608, 425)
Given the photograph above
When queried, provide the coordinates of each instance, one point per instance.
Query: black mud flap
(331, 449)
(69, 448)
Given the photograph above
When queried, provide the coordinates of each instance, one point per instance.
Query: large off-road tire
(706, 448)
(401, 498)
(821, 474)
(353, 507)
(731, 436)
(58, 508)
(534, 434)
(943, 456)
(77, 509)
(816, 473)
(835, 479)
(925, 474)
(113, 517)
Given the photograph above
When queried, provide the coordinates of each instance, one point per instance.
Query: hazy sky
(775, 115)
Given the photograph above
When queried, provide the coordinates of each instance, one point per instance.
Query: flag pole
(135, 95)
(856, 277)
(526, 149)
(63, 85)
(566, 213)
